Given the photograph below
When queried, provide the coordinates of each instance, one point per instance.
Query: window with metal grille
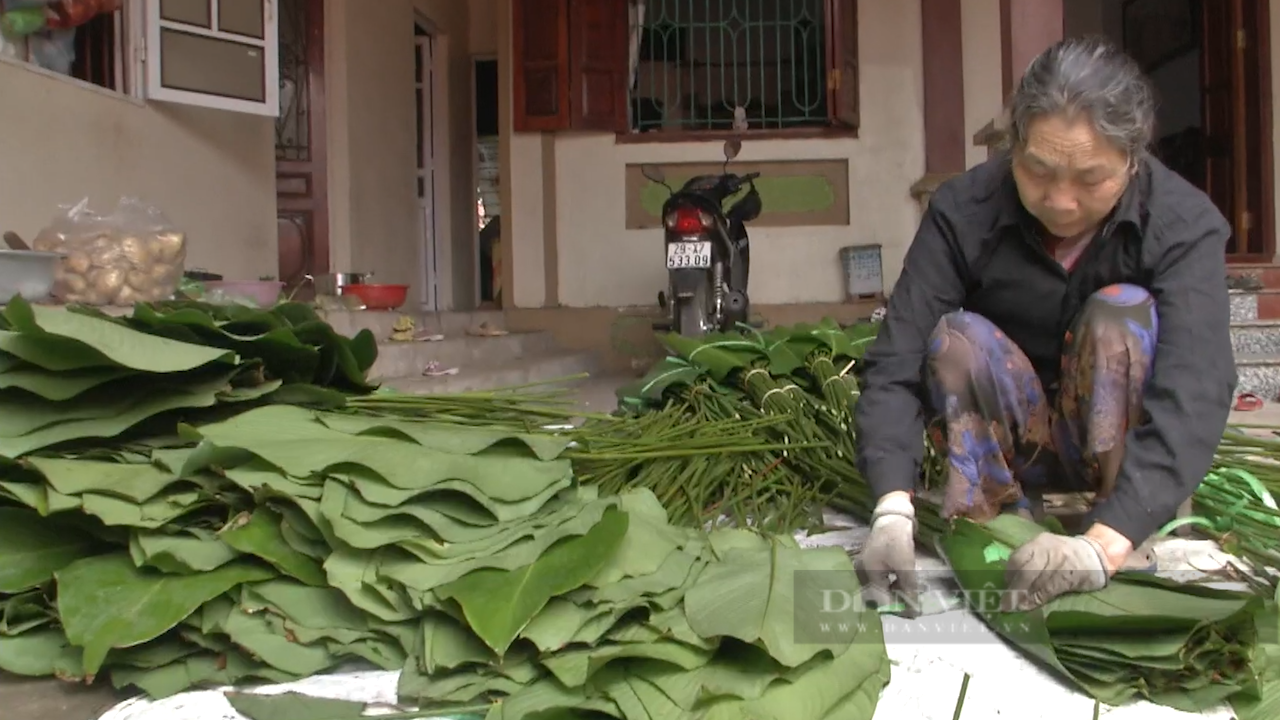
(92, 52)
(726, 65)
(662, 69)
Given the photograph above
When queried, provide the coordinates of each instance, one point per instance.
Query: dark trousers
(1006, 442)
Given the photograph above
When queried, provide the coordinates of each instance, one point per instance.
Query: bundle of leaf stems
(532, 406)
(706, 466)
(1235, 504)
(831, 384)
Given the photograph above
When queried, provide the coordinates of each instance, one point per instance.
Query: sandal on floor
(1247, 402)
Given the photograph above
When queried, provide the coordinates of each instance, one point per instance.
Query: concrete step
(534, 369)
(409, 359)
(380, 322)
(1247, 305)
(1256, 337)
(1244, 305)
(1268, 273)
(1259, 374)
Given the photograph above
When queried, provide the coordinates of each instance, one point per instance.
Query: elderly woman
(1063, 314)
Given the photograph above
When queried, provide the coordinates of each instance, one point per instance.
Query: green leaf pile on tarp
(283, 542)
(1188, 647)
(78, 374)
(677, 624)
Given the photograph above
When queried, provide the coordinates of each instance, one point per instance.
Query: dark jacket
(976, 250)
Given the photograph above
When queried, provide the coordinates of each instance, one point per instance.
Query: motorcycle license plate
(689, 255)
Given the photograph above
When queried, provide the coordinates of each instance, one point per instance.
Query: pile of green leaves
(283, 542)
(78, 375)
(1189, 647)
(788, 394)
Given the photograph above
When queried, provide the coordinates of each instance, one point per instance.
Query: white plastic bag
(132, 254)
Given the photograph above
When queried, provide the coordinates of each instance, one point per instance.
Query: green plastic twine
(996, 552)
(1257, 487)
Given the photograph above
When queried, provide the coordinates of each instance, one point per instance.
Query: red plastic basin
(378, 297)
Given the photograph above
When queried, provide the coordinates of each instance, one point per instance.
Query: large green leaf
(33, 548)
(847, 686)
(193, 550)
(273, 342)
(259, 534)
(46, 330)
(411, 525)
(40, 653)
(268, 640)
(129, 481)
(498, 604)
(446, 437)
(294, 440)
(475, 502)
(1264, 702)
(120, 413)
(649, 541)
(24, 612)
(861, 336)
(575, 666)
(670, 372)
(785, 352)
(764, 595)
(60, 385)
(220, 668)
(289, 338)
(107, 602)
(720, 357)
(423, 577)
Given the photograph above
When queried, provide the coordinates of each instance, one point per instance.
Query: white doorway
(434, 265)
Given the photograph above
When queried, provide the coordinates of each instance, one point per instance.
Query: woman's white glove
(889, 558)
(1051, 566)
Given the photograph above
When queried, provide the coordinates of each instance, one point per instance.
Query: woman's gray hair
(1087, 76)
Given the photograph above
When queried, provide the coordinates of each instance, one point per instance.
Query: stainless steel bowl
(27, 273)
(332, 283)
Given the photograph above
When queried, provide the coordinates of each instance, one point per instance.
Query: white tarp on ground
(926, 680)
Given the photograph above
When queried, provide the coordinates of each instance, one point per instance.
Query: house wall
(212, 172)
(374, 214)
(564, 193)
(983, 95)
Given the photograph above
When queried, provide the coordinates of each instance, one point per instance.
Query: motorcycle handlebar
(735, 182)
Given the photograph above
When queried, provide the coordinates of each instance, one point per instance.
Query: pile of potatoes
(115, 268)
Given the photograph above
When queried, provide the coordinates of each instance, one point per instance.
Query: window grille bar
(701, 62)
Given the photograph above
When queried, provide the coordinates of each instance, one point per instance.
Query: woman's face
(1069, 177)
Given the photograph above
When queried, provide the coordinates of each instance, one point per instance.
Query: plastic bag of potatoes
(132, 254)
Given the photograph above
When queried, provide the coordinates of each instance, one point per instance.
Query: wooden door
(1236, 111)
(302, 201)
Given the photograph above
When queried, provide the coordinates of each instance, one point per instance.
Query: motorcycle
(707, 249)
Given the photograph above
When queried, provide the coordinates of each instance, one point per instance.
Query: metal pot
(27, 273)
(332, 283)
